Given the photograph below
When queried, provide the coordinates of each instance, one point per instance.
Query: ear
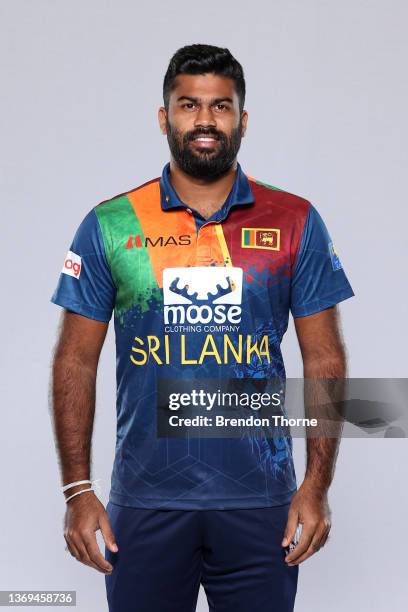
(244, 121)
(162, 115)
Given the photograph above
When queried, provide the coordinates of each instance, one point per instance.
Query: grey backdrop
(327, 100)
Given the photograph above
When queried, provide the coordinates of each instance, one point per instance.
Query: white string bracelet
(95, 487)
(72, 484)
(78, 493)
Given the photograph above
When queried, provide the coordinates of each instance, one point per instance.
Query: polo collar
(241, 192)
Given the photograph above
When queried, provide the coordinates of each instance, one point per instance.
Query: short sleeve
(318, 279)
(85, 284)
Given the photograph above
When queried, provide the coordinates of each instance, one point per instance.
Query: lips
(205, 141)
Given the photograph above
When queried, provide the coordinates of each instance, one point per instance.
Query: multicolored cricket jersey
(196, 299)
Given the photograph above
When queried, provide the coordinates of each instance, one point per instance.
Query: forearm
(323, 397)
(73, 409)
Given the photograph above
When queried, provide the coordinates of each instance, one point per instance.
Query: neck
(197, 191)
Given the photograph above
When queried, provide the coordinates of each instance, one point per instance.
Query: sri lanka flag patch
(260, 238)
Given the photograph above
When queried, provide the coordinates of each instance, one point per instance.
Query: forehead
(204, 86)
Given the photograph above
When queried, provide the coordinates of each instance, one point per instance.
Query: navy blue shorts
(164, 556)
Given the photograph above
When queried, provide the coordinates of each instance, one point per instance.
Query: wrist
(315, 487)
(80, 494)
(75, 489)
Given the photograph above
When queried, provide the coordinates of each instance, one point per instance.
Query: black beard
(204, 164)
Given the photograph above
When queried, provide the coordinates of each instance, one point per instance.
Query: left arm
(324, 358)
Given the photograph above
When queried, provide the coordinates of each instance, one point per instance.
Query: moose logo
(202, 294)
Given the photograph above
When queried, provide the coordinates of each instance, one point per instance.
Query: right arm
(73, 386)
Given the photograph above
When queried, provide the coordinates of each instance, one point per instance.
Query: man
(201, 267)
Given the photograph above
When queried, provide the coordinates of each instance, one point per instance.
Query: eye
(188, 105)
(221, 106)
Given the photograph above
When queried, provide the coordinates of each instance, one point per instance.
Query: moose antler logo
(202, 293)
(209, 298)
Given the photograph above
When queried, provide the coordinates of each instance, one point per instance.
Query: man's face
(203, 124)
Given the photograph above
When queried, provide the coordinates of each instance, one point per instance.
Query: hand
(84, 515)
(310, 507)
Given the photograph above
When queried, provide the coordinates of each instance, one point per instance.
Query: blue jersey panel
(85, 284)
(318, 280)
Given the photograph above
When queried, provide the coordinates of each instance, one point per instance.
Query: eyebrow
(212, 102)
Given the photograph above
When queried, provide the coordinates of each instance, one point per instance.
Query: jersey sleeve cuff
(92, 312)
(321, 303)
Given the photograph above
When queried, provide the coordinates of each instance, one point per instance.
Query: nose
(205, 117)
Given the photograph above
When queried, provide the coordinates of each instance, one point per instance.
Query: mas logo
(260, 238)
(138, 242)
(202, 294)
(72, 264)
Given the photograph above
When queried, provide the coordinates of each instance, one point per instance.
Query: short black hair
(202, 59)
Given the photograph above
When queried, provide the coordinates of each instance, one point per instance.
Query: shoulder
(121, 201)
(279, 198)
